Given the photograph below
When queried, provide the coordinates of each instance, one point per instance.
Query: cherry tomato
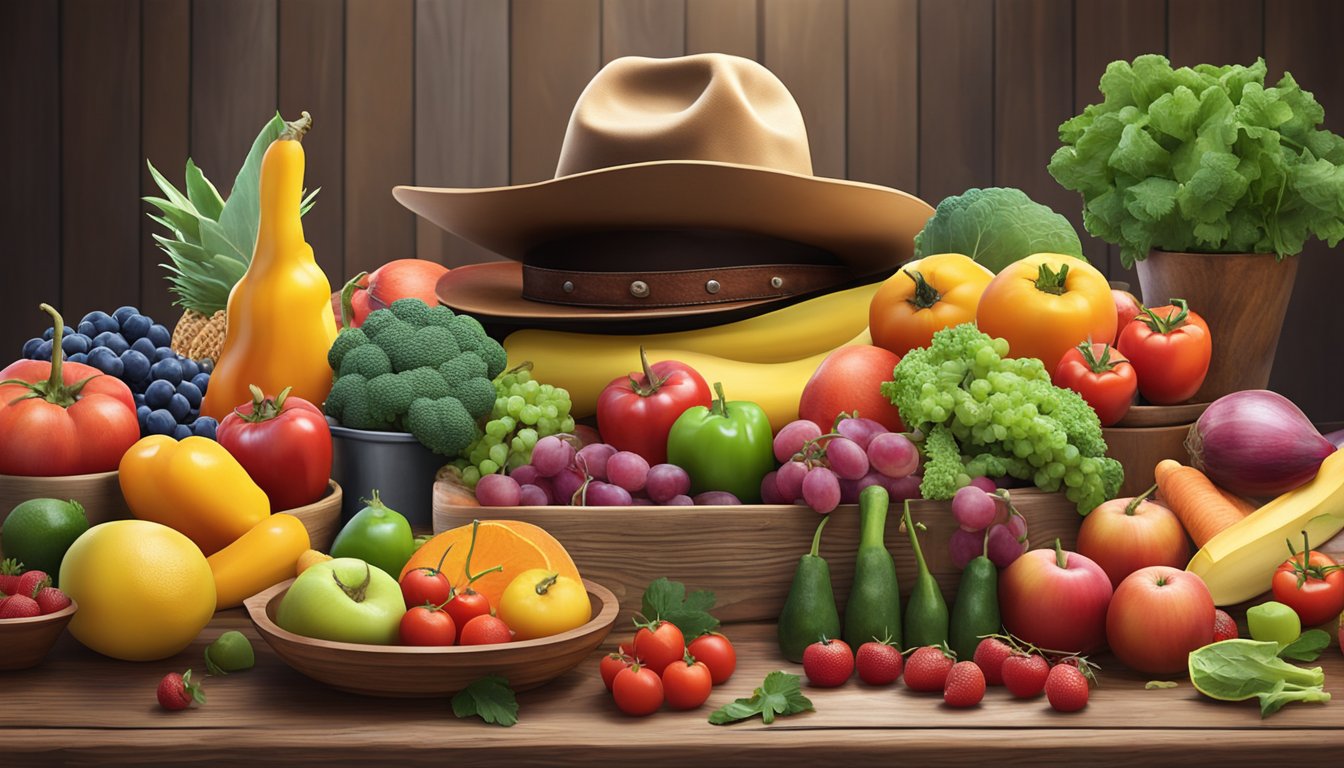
(467, 605)
(1314, 591)
(426, 586)
(1126, 309)
(485, 630)
(635, 412)
(717, 653)
(638, 690)
(1102, 376)
(686, 683)
(612, 663)
(427, 625)
(660, 646)
(1170, 348)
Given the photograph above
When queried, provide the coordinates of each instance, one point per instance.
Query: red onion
(1256, 443)
(1336, 438)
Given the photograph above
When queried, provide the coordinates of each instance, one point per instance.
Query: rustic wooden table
(81, 708)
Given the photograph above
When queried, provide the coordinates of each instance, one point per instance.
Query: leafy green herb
(490, 699)
(1236, 670)
(1155, 684)
(667, 600)
(1205, 159)
(996, 226)
(780, 695)
(1307, 647)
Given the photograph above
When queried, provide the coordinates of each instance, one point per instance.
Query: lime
(39, 531)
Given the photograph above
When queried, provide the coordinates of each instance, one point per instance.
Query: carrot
(1243, 506)
(1195, 500)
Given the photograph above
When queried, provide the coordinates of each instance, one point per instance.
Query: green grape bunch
(525, 411)
(986, 414)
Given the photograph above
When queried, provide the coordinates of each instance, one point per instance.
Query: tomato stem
(1095, 364)
(263, 408)
(1167, 324)
(925, 295)
(651, 383)
(545, 584)
(348, 298)
(1050, 281)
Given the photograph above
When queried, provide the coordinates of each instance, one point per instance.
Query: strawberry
(19, 607)
(927, 669)
(828, 663)
(1066, 688)
(878, 663)
(1224, 628)
(1024, 675)
(965, 685)
(51, 600)
(31, 581)
(178, 692)
(9, 576)
(989, 656)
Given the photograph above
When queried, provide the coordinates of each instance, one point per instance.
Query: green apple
(343, 600)
(1273, 621)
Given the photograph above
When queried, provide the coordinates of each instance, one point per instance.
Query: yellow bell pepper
(280, 321)
(261, 558)
(194, 487)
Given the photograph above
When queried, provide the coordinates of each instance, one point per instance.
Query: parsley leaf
(780, 695)
(490, 699)
(667, 600)
(1307, 647)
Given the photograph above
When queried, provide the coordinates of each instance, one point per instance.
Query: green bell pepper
(379, 536)
(725, 447)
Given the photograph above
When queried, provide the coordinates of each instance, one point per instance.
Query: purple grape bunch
(987, 523)
(824, 471)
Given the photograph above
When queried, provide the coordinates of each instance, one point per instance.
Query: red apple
(399, 279)
(1124, 535)
(1056, 600)
(1126, 308)
(1158, 615)
(850, 380)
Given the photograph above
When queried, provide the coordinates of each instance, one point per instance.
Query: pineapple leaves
(167, 186)
(202, 193)
(243, 208)
(184, 223)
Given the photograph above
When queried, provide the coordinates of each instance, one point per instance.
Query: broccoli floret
(413, 311)
(470, 335)
(442, 425)
(346, 340)
(428, 347)
(426, 382)
(496, 359)
(440, 316)
(345, 391)
(394, 337)
(462, 368)
(377, 321)
(477, 396)
(943, 471)
(367, 360)
(390, 396)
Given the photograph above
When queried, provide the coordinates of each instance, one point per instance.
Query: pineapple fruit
(210, 245)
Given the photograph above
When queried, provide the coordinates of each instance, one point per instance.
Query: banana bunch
(766, 359)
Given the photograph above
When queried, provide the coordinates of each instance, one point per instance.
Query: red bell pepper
(284, 444)
(635, 412)
(59, 418)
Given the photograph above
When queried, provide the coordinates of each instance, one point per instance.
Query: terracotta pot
(1242, 296)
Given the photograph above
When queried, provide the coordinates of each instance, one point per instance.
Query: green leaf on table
(1155, 684)
(1307, 647)
(490, 699)
(667, 600)
(780, 695)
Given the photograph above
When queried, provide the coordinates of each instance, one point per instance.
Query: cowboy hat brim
(868, 228)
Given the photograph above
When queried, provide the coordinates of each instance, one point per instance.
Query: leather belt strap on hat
(677, 288)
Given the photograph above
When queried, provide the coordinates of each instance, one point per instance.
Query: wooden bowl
(100, 494)
(404, 671)
(322, 518)
(26, 642)
(1148, 434)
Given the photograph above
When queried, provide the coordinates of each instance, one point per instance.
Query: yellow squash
(280, 318)
(261, 558)
(194, 487)
(1238, 564)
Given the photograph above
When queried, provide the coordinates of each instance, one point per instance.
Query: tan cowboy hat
(684, 193)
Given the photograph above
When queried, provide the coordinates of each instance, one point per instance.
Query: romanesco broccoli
(442, 425)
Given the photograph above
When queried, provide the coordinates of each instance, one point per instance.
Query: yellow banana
(776, 387)
(808, 328)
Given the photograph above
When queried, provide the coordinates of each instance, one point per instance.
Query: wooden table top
(81, 708)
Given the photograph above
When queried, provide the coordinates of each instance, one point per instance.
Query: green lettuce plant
(1204, 160)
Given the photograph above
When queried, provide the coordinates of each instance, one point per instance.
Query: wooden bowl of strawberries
(31, 619)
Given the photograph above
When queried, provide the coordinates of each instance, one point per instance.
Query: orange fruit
(516, 545)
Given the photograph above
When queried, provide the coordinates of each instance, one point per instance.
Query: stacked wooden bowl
(1148, 434)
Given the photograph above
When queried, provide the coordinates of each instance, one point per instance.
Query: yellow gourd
(259, 559)
(280, 318)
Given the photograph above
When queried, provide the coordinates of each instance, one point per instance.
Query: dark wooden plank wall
(930, 96)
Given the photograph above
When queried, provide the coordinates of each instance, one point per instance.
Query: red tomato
(485, 630)
(635, 412)
(284, 444)
(638, 690)
(660, 646)
(1315, 591)
(426, 586)
(81, 422)
(611, 664)
(1102, 376)
(717, 654)
(1126, 309)
(686, 684)
(1169, 348)
(467, 605)
(427, 625)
